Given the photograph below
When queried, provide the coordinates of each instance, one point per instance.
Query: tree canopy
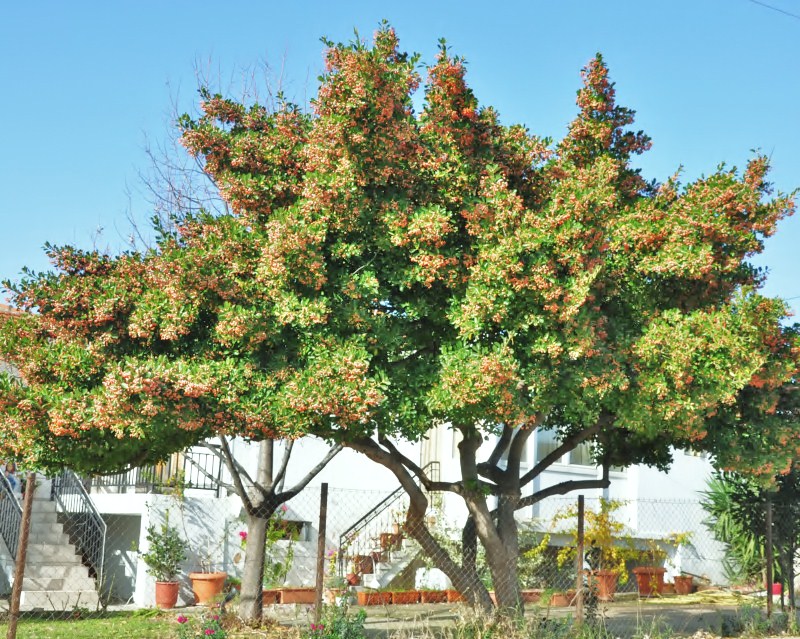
(382, 270)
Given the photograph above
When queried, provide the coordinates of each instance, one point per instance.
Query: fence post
(579, 565)
(323, 521)
(768, 553)
(22, 555)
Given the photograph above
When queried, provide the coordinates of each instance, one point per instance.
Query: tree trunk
(504, 566)
(251, 607)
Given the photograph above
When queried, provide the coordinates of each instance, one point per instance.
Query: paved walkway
(624, 619)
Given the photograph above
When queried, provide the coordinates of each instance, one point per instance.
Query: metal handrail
(10, 516)
(83, 523)
(215, 478)
(196, 470)
(376, 511)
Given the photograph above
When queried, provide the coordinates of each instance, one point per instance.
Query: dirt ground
(622, 619)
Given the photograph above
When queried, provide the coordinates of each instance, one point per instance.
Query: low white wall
(211, 526)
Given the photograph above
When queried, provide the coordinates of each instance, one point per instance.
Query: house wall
(121, 558)
(357, 484)
(348, 470)
(211, 527)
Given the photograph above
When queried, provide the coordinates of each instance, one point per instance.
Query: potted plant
(335, 584)
(607, 544)
(208, 583)
(683, 584)
(166, 551)
(374, 597)
(650, 575)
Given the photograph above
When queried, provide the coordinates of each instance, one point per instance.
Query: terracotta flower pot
(531, 595)
(453, 596)
(405, 596)
(167, 594)
(563, 599)
(270, 596)
(364, 564)
(207, 585)
(374, 598)
(352, 578)
(649, 579)
(604, 583)
(298, 595)
(683, 584)
(390, 541)
(433, 596)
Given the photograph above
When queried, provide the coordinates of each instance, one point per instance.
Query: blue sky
(86, 83)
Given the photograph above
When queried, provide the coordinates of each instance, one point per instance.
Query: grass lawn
(122, 626)
(144, 624)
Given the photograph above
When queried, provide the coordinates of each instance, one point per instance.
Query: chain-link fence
(98, 546)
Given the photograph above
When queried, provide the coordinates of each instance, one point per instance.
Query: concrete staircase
(55, 577)
(394, 562)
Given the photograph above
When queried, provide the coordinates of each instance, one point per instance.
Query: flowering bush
(201, 628)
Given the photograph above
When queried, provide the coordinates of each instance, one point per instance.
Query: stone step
(43, 517)
(47, 527)
(53, 555)
(77, 582)
(67, 572)
(42, 506)
(48, 536)
(61, 600)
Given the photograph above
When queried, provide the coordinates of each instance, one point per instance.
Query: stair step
(56, 571)
(49, 537)
(58, 600)
(77, 582)
(43, 505)
(38, 518)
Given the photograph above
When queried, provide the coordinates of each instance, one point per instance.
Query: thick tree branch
(233, 469)
(241, 470)
(427, 482)
(281, 474)
(500, 446)
(565, 487)
(310, 474)
(521, 436)
(570, 443)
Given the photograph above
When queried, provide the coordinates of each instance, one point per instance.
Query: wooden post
(768, 556)
(323, 521)
(579, 565)
(22, 555)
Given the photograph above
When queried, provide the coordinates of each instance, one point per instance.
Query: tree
(381, 271)
(102, 392)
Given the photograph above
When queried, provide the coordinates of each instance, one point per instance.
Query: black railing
(362, 535)
(190, 469)
(85, 526)
(10, 516)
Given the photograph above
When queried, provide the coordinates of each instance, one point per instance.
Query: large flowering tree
(381, 271)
